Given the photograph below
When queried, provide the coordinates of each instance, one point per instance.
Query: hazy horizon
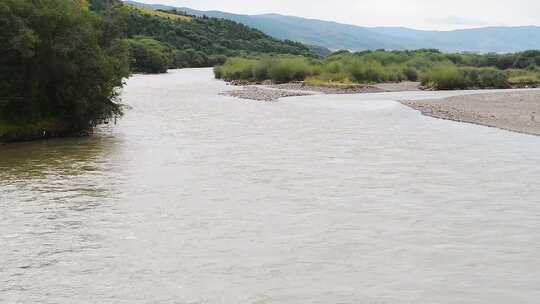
(418, 14)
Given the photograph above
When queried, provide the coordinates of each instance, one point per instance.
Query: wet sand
(513, 111)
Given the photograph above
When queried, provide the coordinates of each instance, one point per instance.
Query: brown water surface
(199, 198)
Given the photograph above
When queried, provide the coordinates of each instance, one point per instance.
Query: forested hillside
(170, 39)
(337, 36)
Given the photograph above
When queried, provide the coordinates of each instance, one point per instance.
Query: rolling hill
(161, 39)
(334, 36)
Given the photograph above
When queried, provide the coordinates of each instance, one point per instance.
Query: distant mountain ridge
(334, 36)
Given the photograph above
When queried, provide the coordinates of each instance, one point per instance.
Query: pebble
(259, 94)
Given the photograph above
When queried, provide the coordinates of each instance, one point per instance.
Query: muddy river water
(199, 198)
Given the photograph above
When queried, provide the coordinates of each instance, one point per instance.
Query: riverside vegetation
(434, 69)
(63, 61)
(60, 67)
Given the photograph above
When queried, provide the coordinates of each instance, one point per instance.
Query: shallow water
(199, 198)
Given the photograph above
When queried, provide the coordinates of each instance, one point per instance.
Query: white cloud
(425, 14)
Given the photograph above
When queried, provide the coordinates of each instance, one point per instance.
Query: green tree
(149, 55)
(57, 65)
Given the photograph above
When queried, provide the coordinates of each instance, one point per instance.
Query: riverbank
(10, 132)
(512, 111)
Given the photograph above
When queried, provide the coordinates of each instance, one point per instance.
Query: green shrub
(366, 71)
(434, 69)
(149, 55)
(261, 70)
(236, 69)
(334, 67)
(410, 73)
(485, 78)
(290, 69)
(444, 77)
(523, 78)
(448, 77)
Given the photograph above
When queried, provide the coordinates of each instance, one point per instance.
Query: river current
(193, 197)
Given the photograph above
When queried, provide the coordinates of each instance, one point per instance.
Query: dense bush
(523, 78)
(279, 70)
(444, 77)
(59, 65)
(365, 71)
(450, 77)
(149, 55)
(485, 78)
(344, 68)
(236, 68)
(433, 68)
(290, 69)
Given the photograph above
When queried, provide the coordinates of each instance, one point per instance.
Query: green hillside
(171, 39)
(335, 36)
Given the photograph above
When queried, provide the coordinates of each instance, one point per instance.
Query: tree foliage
(149, 55)
(58, 62)
(190, 41)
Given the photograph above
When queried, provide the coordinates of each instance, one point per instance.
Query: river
(194, 197)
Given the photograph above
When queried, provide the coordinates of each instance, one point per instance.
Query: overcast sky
(422, 14)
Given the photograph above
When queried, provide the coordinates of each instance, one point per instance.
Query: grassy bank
(24, 131)
(434, 69)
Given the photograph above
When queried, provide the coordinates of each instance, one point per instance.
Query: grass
(485, 78)
(451, 77)
(347, 70)
(151, 12)
(11, 131)
(435, 70)
(444, 77)
(290, 69)
(523, 78)
(279, 70)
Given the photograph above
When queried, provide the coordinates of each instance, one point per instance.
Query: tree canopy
(186, 41)
(60, 63)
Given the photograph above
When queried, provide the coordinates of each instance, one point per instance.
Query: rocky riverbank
(513, 111)
(342, 89)
(271, 92)
(262, 94)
